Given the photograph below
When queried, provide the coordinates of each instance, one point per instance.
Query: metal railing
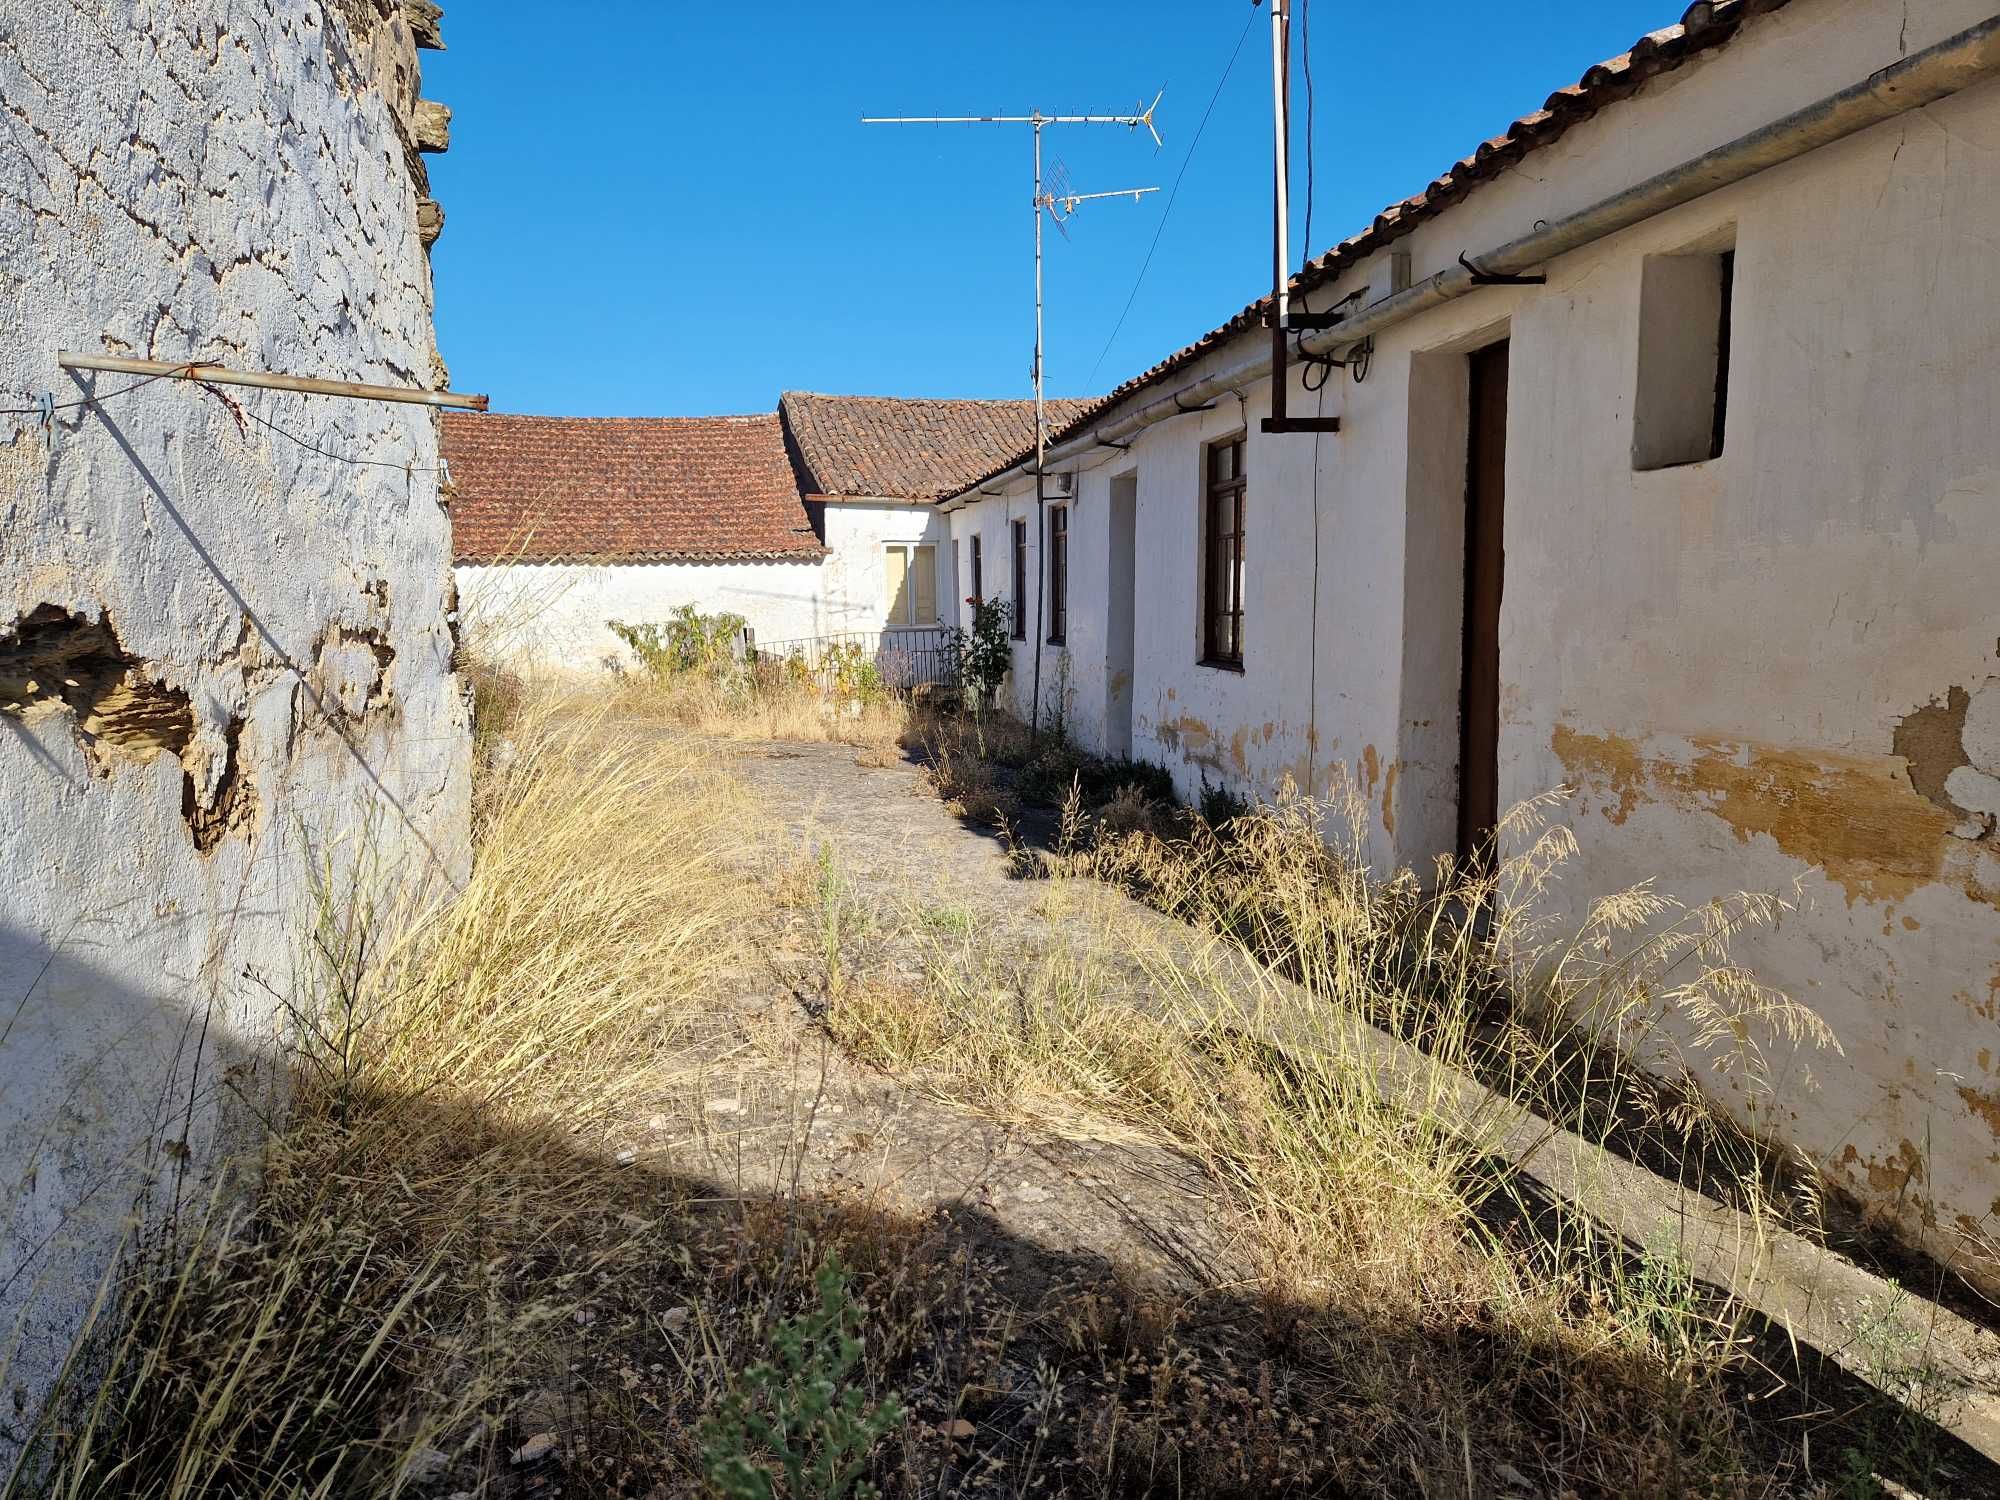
(904, 657)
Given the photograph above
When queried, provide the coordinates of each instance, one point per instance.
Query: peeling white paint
(219, 182)
(1751, 630)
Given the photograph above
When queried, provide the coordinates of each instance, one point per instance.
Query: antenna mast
(1060, 206)
(1284, 321)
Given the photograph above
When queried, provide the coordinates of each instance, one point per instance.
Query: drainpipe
(1923, 78)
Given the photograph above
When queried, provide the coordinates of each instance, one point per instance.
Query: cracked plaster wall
(218, 651)
(1779, 666)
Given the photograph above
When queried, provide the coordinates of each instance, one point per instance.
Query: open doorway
(1119, 616)
(1485, 572)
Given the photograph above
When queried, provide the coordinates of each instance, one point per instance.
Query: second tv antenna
(1059, 201)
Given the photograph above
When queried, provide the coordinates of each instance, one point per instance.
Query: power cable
(1167, 212)
(36, 411)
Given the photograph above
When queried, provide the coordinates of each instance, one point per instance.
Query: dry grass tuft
(1474, 1328)
(407, 1253)
(769, 707)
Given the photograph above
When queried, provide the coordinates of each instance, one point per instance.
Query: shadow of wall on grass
(656, 1281)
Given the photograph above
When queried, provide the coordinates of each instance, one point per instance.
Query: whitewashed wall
(219, 654)
(1757, 670)
(858, 534)
(554, 615)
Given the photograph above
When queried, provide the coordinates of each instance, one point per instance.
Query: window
(1058, 574)
(912, 578)
(1020, 580)
(978, 572)
(1682, 403)
(1222, 555)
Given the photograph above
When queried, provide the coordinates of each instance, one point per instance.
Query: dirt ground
(907, 873)
(864, 876)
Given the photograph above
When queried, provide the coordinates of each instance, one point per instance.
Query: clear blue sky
(658, 207)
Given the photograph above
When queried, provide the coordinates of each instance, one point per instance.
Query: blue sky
(658, 207)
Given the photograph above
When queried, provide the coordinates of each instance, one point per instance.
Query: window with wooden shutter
(897, 572)
(978, 580)
(1222, 561)
(924, 593)
(1020, 580)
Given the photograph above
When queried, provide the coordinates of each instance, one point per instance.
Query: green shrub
(686, 641)
(808, 1412)
(985, 652)
(853, 675)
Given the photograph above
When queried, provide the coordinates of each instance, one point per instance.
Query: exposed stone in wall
(53, 660)
(220, 651)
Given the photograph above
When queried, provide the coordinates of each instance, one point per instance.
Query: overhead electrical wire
(1172, 194)
(237, 410)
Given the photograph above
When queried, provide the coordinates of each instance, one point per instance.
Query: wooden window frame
(911, 551)
(1019, 532)
(978, 572)
(1223, 517)
(1058, 574)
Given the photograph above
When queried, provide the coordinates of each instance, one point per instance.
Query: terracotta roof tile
(1705, 26)
(623, 489)
(908, 449)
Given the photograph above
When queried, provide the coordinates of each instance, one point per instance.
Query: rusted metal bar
(220, 375)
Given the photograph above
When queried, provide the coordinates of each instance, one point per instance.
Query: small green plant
(807, 1411)
(985, 653)
(853, 674)
(1902, 1437)
(686, 641)
(1220, 806)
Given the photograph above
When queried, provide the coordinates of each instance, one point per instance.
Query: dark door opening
(1479, 692)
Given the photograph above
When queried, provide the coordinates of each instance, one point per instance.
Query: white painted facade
(221, 656)
(1755, 670)
(553, 616)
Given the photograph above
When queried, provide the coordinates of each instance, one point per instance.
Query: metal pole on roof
(1059, 206)
(1282, 321)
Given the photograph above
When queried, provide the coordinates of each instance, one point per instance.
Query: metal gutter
(1937, 72)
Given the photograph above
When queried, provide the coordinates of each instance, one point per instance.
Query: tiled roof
(1705, 26)
(623, 489)
(912, 450)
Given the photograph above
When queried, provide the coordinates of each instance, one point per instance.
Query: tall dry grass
(767, 706)
(354, 1312)
(1477, 1328)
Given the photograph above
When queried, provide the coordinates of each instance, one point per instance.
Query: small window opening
(1682, 405)
(1058, 575)
(1020, 580)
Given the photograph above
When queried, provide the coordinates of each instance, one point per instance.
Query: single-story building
(1668, 471)
(816, 523)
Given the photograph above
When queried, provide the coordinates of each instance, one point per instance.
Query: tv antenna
(1058, 199)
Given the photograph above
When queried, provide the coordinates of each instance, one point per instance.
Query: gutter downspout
(1937, 72)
